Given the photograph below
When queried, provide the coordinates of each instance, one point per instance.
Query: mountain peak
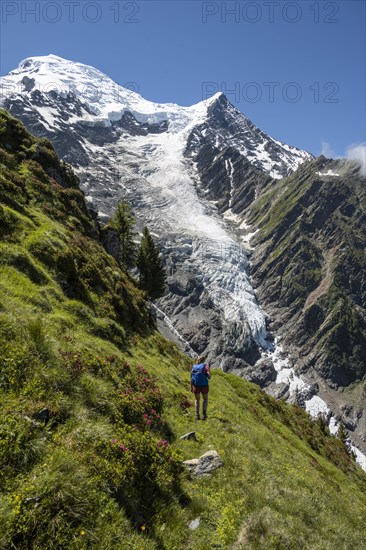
(219, 96)
(102, 102)
(36, 62)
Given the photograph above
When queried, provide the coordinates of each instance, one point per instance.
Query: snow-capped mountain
(186, 170)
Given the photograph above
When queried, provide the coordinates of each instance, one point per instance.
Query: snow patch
(229, 215)
(315, 406)
(230, 172)
(328, 173)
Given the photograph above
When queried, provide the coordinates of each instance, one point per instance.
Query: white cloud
(327, 151)
(353, 152)
(358, 152)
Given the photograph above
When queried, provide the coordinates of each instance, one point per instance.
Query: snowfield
(315, 406)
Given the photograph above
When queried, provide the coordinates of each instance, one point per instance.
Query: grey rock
(191, 464)
(309, 391)
(205, 464)
(189, 435)
(263, 373)
(43, 415)
(279, 391)
(194, 524)
(347, 409)
(349, 424)
(31, 421)
(28, 83)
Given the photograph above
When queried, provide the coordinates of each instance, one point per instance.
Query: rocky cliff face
(309, 271)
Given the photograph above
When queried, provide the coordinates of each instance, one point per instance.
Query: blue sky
(296, 69)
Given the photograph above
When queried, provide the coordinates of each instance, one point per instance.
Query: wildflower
(82, 532)
(143, 527)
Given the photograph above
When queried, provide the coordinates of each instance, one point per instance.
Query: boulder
(263, 373)
(43, 415)
(191, 465)
(205, 464)
(194, 524)
(279, 391)
(189, 435)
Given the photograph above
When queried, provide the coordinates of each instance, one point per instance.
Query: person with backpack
(200, 375)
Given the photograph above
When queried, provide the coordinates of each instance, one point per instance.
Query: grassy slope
(100, 474)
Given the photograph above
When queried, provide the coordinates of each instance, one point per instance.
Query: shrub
(22, 443)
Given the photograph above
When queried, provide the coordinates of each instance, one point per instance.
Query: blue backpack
(198, 375)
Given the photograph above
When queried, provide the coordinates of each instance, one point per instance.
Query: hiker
(200, 375)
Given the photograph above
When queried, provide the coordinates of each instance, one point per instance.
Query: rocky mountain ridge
(308, 268)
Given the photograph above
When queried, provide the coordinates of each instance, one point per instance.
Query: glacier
(314, 405)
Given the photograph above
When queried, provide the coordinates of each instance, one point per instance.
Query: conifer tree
(123, 222)
(322, 424)
(342, 433)
(152, 272)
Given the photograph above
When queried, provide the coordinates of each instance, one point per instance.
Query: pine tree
(152, 273)
(342, 433)
(123, 222)
(322, 424)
